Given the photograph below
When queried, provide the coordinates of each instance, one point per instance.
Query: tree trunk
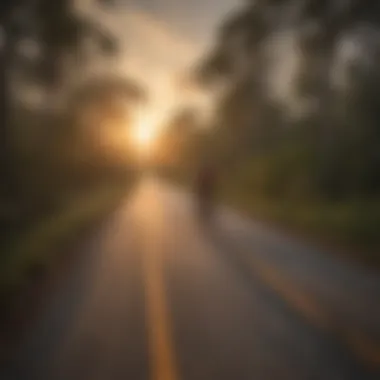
(7, 188)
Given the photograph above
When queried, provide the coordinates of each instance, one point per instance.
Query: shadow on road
(237, 257)
(63, 299)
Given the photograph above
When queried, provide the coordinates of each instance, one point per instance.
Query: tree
(251, 117)
(58, 30)
(9, 36)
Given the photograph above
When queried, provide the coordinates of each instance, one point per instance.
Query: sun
(144, 135)
(145, 132)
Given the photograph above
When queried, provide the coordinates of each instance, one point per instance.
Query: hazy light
(145, 132)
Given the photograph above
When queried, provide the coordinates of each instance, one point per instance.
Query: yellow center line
(162, 358)
(361, 345)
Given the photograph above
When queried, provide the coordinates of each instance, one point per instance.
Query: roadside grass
(36, 247)
(353, 227)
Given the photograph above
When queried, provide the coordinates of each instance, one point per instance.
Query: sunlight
(145, 132)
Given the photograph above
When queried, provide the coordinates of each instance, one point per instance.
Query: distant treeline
(297, 123)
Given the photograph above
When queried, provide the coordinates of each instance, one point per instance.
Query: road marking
(362, 346)
(162, 358)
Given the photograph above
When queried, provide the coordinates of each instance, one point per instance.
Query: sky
(160, 40)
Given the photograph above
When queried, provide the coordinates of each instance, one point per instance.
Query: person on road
(206, 188)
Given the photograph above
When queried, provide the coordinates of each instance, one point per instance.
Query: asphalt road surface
(158, 295)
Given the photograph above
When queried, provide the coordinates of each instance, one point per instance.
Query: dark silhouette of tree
(58, 30)
(249, 117)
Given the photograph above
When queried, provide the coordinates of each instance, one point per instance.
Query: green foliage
(310, 158)
(59, 31)
(65, 182)
(67, 168)
(332, 151)
(40, 242)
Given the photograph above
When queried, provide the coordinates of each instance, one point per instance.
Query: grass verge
(37, 246)
(350, 227)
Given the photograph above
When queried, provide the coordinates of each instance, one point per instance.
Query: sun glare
(145, 133)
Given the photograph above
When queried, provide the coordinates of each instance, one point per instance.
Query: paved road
(158, 296)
